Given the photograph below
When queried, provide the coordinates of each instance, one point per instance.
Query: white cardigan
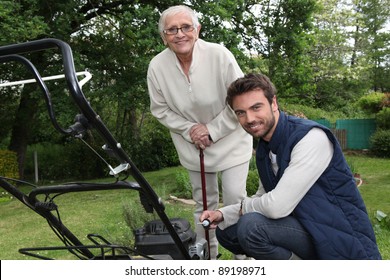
(179, 103)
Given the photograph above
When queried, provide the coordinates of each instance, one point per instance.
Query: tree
(341, 52)
(329, 55)
(374, 17)
(14, 28)
(278, 32)
(115, 40)
(71, 21)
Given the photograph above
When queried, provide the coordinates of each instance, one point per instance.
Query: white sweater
(179, 103)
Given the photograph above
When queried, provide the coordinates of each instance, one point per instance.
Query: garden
(327, 63)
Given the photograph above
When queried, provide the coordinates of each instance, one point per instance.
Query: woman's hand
(200, 136)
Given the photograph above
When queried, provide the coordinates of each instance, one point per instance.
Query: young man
(307, 205)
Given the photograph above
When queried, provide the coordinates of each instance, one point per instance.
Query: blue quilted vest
(332, 211)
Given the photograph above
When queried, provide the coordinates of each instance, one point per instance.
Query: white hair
(176, 10)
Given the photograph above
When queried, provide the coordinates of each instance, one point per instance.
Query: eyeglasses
(175, 30)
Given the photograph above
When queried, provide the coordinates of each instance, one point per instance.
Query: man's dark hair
(251, 82)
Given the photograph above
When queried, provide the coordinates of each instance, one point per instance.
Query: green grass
(100, 212)
(375, 190)
(103, 212)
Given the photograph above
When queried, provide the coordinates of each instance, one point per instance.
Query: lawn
(97, 212)
(104, 212)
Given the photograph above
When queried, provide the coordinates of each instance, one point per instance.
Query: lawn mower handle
(9, 52)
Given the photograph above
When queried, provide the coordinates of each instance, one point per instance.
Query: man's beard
(267, 128)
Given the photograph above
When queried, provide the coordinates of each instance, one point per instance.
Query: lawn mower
(164, 238)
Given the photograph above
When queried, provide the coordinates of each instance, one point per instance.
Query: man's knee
(249, 228)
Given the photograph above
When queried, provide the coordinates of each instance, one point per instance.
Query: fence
(352, 134)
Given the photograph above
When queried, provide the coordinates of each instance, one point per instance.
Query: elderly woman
(187, 84)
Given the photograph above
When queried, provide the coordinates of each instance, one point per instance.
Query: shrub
(154, 149)
(380, 143)
(183, 187)
(73, 160)
(8, 164)
(383, 118)
(153, 152)
(386, 100)
(372, 102)
(318, 113)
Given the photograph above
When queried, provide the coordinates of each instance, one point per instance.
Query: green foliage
(252, 182)
(221, 26)
(13, 25)
(183, 188)
(372, 102)
(154, 149)
(383, 118)
(135, 217)
(381, 224)
(8, 101)
(73, 160)
(288, 37)
(352, 165)
(8, 164)
(310, 112)
(383, 219)
(380, 143)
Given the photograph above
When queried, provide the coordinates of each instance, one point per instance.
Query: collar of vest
(277, 136)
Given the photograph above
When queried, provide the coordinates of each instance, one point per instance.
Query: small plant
(183, 187)
(5, 196)
(135, 216)
(383, 219)
(352, 166)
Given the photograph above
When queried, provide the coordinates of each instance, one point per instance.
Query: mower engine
(153, 239)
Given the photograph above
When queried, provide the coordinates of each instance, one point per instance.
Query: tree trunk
(23, 125)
